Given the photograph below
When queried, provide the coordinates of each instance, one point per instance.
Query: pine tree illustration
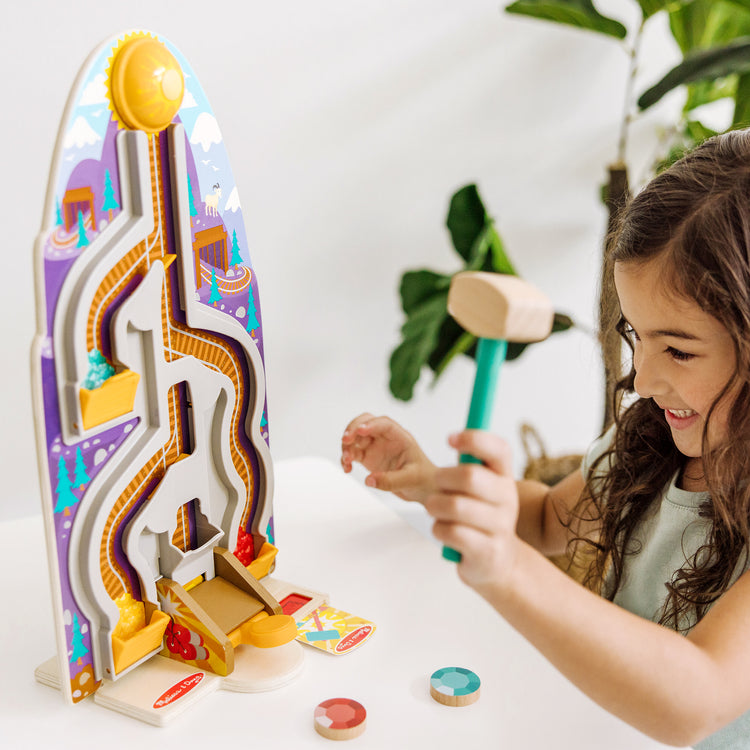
(236, 259)
(81, 477)
(252, 312)
(215, 294)
(83, 240)
(78, 648)
(64, 492)
(110, 202)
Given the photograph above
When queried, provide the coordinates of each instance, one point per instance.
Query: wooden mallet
(497, 308)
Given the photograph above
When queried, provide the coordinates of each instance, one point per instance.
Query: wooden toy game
(149, 392)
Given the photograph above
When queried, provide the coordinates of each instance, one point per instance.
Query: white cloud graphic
(233, 201)
(95, 92)
(80, 134)
(188, 100)
(206, 131)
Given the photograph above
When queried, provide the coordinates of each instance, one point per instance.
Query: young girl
(660, 633)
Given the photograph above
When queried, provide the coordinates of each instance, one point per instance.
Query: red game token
(340, 718)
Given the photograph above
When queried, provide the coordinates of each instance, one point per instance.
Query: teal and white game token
(454, 686)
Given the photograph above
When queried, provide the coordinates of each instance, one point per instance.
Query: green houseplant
(713, 37)
(430, 337)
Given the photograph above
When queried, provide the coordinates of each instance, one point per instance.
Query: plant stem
(629, 87)
(617, 195)
(609, 308)
(462, 345)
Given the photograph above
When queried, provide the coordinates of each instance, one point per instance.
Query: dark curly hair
(695, 216)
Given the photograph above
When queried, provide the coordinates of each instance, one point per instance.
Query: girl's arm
(675, 689)
(397, 464)
(543, 509)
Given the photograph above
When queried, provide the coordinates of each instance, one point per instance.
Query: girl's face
(683, 356)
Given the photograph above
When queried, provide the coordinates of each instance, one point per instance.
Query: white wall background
(349, 125)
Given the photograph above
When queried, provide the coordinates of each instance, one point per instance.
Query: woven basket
(539, 465)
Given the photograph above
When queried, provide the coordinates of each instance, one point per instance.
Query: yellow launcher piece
(265, 631)
(263, 563)
(132, 639)
(114, 398)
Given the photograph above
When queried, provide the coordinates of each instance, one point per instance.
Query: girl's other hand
(391, 454)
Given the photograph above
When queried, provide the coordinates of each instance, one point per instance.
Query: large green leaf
(738, 6)
(480, 255)
(579, 13)
(498, 260)
(726, 22)
(650, 7)
(697, 132)
(452, 342)
(430, 336)
(560, 323)
(473, 233)
(687, 22)
(706, 24)
(706, 92)
(702, 24)
(419, 336)
(702, 65)
(466, 220)
(741, 115)
(417, 287)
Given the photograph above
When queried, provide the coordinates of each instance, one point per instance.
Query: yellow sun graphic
(145, 83)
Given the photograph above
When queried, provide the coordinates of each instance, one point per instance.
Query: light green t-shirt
(667, 537)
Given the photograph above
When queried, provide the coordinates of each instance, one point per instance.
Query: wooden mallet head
(498, 306)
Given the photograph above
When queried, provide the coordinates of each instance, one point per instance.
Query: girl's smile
(683, 357)
(681, 419)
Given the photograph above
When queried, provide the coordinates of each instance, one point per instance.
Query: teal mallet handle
(490, 356)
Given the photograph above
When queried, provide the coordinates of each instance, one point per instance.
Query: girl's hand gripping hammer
(497, 308)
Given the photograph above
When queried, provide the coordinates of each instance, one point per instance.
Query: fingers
(351, 430)
(481, 530)
(399, 481)
(488, 511)
(459, 514)
(368, 426)
(463, 539)
(476, 480)
(365, 430)
(487, 562)
(475, 502)
(353, 442)
(490, 449)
